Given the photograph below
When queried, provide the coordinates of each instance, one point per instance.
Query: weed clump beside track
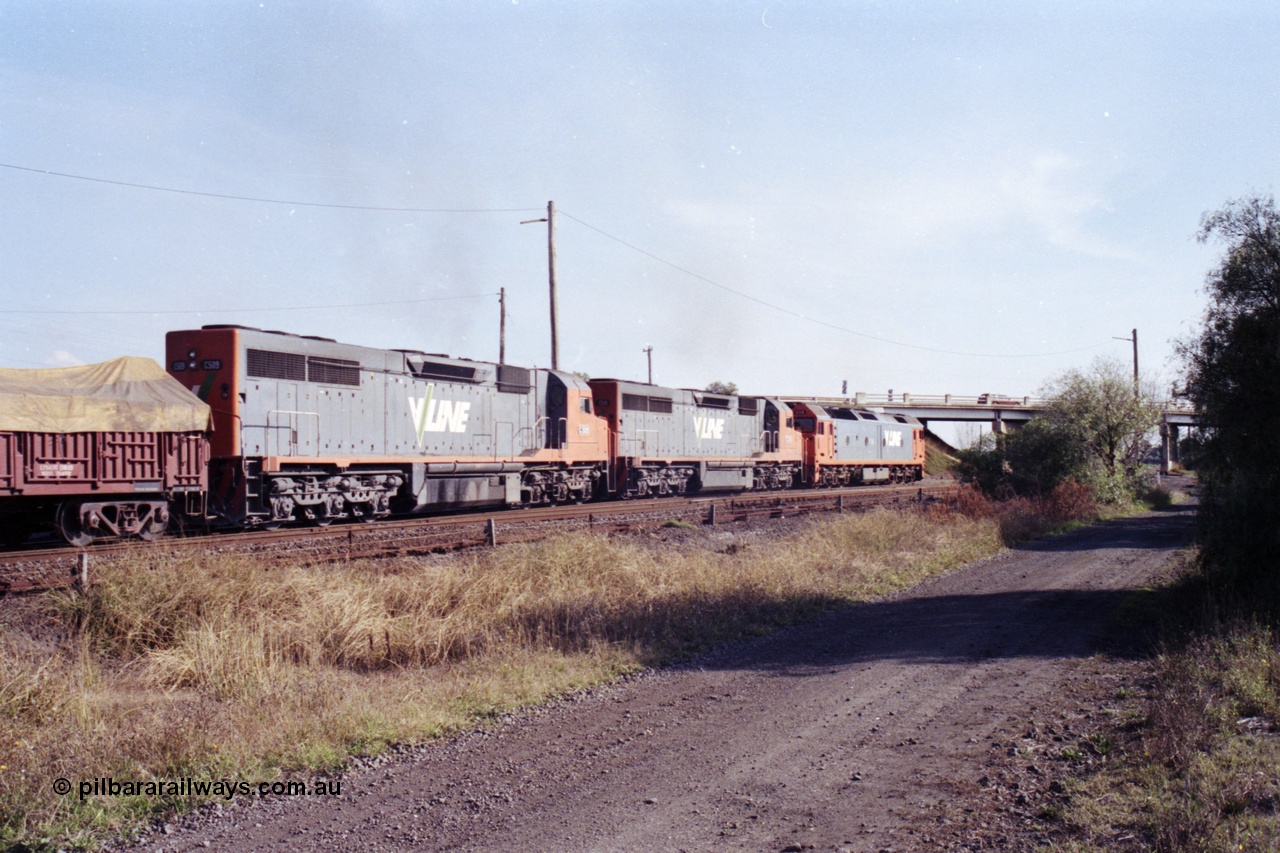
(212, 667)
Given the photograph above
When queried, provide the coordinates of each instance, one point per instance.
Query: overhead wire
(775, 307)
(229, 197)
(136, 312)
(764, 303)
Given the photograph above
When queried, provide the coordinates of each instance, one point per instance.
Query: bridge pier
(1168, 447)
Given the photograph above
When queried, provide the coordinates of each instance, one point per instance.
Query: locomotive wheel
(68, 524)
(317, 516)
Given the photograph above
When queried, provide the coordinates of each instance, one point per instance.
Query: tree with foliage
(729, 388)
(1110, 418)
(1096, 429)
(1030, 461)
(1233, 378)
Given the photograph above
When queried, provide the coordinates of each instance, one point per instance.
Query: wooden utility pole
(550, 219)
(648, 351)
(1135, 361)
(1134, 339)
(502, 325)
(551, 273)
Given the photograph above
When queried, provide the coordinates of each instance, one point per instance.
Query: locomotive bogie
(321, 497)
(657, 480)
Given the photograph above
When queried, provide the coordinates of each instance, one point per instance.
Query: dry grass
(1021, 519)
(214, 667)
(1197, 767)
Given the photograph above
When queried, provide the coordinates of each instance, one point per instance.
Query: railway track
(53, 567)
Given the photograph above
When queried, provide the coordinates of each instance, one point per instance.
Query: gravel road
(861, 730)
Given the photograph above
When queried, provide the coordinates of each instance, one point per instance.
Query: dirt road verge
(873, 727)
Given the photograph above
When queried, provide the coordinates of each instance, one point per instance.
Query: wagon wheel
(68, 524)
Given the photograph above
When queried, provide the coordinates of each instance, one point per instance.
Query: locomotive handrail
(565, 441)
(532, 430)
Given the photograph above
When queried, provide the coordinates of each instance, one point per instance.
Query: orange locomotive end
(207, 362)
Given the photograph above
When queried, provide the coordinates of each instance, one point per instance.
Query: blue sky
(934, 197)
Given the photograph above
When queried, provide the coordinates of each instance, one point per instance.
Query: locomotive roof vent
(643, 403)
(440, 370)
(230, 326)
(714, 402)
(514, 380)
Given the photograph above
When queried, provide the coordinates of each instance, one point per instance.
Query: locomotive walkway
(871, 728)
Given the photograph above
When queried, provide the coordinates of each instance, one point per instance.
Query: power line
(600, 231)
(254, 310)
(267, 200)
(800, 316)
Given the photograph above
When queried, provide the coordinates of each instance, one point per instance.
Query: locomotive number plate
(211, 364)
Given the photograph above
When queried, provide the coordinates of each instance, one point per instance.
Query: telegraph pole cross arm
(550, 219)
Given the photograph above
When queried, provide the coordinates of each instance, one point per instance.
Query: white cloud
(62, 358)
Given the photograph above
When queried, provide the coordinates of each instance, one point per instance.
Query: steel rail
(46, 568)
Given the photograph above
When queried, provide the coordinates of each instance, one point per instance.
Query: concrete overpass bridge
(1002, 412)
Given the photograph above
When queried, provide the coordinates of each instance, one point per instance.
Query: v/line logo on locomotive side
(708, 427)
(432, 415)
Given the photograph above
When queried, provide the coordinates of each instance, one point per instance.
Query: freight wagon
(99, 451)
